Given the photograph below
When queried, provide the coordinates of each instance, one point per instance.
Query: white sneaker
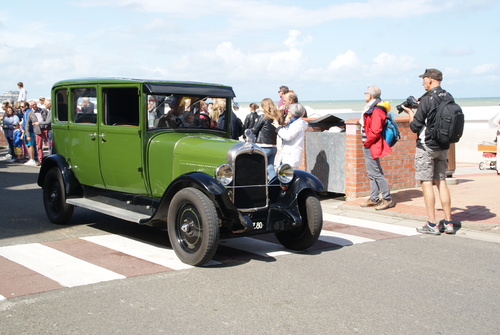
(31, 162)
(7, 157)
(11, 160)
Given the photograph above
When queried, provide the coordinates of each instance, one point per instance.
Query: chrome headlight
(224, 174)
(285, 173)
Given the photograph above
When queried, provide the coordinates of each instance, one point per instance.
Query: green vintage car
(147, 151)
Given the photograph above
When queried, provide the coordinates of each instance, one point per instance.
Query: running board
(114, 211)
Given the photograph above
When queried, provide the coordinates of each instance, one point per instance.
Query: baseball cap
(433, 74)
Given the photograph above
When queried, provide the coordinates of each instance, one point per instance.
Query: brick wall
(398, 166)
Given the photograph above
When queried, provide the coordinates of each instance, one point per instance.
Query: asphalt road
(406, 285)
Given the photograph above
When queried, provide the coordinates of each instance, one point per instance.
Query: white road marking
(401, 230)
(67, 270)
(154, 254)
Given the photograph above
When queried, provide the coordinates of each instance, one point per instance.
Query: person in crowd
(18, 142)
(23, 94)
(431, 157)
(29, 136)
(289, 98)
(40, 119)
(236, 106)
(8, 121)
(152, 113)
(48, 107)
(293, 136)
(281, 103)
(265, 133)
(374, 147)
(251, 117)
(496, 124)
(218, 107)
(5, 104)
(87, 106)
(24, 107)
(17, 110)
(236, 125)
(204, 115)
(41, 102)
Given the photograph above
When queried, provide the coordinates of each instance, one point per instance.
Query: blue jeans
(270, 153)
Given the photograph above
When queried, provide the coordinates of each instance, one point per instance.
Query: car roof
(154, 86)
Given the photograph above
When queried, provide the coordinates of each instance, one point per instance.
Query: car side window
(61, 105)
(121, 106)
(178, 111)
(84, 109)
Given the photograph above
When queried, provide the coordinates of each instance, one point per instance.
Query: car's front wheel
(193, 226)
(312, 223)
(54, 198)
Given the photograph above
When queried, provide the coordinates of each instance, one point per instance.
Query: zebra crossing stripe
(391, 228)
(342, 239)
(154, 254)
(2, 297)
(67, 270)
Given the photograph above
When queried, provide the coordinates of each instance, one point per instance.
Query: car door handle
(93, 136)
(102, 138)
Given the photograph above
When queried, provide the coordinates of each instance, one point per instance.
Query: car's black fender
(71, 184)
(287, 200)
(208, 185)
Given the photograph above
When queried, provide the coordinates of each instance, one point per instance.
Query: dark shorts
(431, 165)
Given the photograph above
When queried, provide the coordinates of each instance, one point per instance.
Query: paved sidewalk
(475, 200)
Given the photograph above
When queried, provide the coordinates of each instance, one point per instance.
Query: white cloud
(345, 62)
(484, 69)
(296, 39)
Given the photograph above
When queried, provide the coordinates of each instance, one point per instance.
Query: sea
(352, 108)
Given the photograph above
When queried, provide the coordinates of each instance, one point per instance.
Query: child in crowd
(18, 142)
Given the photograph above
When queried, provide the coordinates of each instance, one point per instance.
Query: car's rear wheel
(312, 223)
(193, 226)
(54, 198)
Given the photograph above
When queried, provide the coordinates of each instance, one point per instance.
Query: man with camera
(431, 157)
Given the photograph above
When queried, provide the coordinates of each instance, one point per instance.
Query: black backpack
(449, 121)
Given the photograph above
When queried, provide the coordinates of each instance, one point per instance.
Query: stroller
(489, 150)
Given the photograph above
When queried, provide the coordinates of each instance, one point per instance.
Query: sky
(323, 50)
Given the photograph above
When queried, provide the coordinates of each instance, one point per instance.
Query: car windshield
(182, 111)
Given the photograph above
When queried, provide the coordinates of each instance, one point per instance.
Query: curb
(477, 226)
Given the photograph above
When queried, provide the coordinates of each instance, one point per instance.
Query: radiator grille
(250, 170)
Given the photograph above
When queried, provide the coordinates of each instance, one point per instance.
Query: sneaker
(426, 229)
(446, 227)
(7, 157)
(11, 161)
(370, 203)
(384, 204)
(31, 162)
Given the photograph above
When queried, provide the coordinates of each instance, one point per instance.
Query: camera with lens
(410, 102)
